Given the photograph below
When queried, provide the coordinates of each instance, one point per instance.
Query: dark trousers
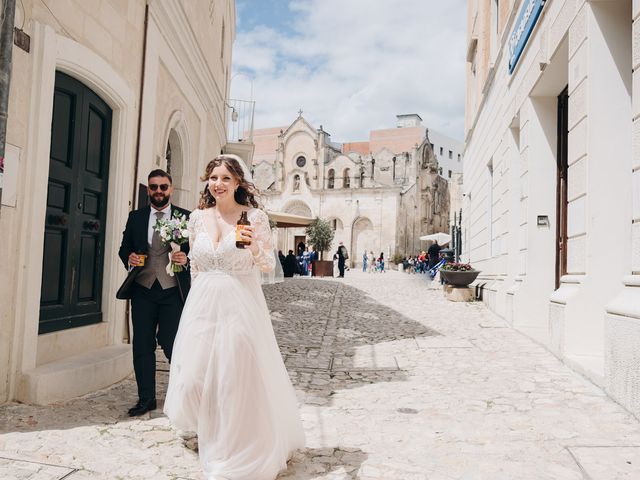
(155, 315)
(341, 266)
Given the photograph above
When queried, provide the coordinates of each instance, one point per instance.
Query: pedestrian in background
(434, 254)
(364, 261)
(342, 257)
(290, 264)
(372, 262)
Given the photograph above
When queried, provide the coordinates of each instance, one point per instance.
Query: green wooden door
(72, 263)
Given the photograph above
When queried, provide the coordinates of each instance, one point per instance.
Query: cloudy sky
(352, 65)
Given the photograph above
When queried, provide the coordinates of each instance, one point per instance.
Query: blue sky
(352, 65)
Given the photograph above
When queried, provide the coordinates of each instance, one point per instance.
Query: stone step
(76, 375)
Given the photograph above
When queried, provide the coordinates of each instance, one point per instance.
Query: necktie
(156, 244)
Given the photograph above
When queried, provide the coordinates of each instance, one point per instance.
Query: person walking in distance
(342, 257)
(434, 253)
(156, 297)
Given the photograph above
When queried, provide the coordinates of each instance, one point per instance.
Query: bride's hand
(246, 234)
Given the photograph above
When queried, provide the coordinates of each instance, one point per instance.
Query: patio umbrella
(442, 238)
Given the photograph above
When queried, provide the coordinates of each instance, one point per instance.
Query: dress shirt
(152, 219)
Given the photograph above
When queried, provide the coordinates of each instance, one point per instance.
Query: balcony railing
(240, 120)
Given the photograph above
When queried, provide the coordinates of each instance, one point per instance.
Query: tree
(320, 235)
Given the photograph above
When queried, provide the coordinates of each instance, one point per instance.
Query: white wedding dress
(228, 382)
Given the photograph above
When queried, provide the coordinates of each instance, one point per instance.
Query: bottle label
(239, 229)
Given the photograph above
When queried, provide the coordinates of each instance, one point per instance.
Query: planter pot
(323, 268)
(459, 279)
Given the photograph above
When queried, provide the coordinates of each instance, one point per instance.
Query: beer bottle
(240, 243)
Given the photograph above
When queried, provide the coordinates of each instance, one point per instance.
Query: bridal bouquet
(173, 231)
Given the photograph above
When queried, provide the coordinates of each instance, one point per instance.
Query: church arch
(364, 238)
(338, 233)
(346, 179)
(297, 207)
(331, 178)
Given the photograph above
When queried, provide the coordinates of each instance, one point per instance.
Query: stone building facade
(552, 177)
(107, 91)
(380, 195)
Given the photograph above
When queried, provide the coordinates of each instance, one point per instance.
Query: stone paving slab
(394, 383)
(608, 463)
(12, 469)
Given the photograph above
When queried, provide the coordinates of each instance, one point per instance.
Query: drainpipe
(142, 79)
(134, 193)
(6, 50)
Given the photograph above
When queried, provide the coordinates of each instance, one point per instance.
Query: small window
(449, 173)
(331, 178)
(450, 155)
(440, 171)
(458, 157)
(441, 151)
(346, 179)
(301, 161)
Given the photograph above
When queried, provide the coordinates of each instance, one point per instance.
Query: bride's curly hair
(246, 192)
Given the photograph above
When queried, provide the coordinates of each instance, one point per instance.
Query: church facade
(379, 196)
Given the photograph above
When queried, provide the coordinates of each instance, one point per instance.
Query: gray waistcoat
(154, 268)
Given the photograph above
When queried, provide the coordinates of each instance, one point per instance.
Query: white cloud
(352, 65)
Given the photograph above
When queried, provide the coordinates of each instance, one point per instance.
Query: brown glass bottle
(239, 227)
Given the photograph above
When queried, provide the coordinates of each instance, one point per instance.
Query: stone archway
(363, 239)
(339, 234)
(297, 207)
(176, 158)
(293, 235)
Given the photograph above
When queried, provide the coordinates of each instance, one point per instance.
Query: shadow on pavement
(307, 464)
(334, 336)
(319, 324)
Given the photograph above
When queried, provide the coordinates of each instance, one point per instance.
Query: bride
(228, 382)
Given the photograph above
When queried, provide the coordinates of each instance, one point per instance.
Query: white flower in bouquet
(173, 231)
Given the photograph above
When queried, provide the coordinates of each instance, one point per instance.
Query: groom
(156, 297)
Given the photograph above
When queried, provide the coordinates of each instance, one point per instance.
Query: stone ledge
(76, 375)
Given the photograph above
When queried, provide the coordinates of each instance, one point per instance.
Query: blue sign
(522, 31)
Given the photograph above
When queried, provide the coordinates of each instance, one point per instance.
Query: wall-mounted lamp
(234, 112)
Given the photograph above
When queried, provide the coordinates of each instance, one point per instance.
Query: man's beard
(156, 202)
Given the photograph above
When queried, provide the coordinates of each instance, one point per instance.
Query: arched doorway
(363, 239)
(75, 221)
(339, 234)
(177, 159)
(294, 237)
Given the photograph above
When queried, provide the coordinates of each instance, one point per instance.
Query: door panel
(76, 208)
(561, 186)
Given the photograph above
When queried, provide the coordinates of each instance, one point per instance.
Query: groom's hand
(179, 258)
(134, 259)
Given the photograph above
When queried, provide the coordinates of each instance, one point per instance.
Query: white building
(380, 195)
(552, 177)
(106, 92)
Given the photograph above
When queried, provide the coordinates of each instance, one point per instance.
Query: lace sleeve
(193, 226)
(265, 259)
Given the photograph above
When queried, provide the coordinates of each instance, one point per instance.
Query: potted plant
(320, 235)
(458, 274)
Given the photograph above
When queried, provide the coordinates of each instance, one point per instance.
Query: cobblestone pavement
(394, 382)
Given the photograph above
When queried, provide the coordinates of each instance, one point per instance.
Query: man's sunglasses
(163, 186)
